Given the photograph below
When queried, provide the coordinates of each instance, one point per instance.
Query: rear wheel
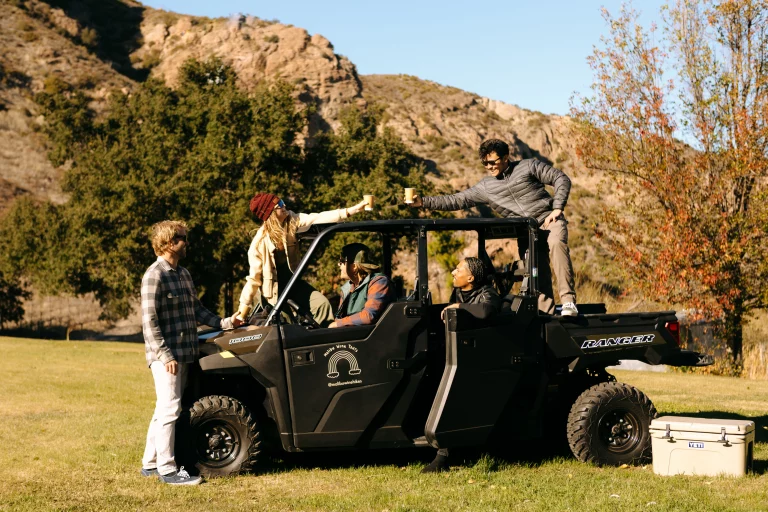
(223, 436)
(609, 424)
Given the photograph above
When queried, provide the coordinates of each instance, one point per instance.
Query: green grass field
(74, 417)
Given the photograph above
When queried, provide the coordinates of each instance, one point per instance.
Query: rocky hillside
(447, 125)
(106, 45)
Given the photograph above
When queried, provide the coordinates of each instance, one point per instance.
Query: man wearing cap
(516, 189)
(366, 294)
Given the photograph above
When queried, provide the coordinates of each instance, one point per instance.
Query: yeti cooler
(702, 446)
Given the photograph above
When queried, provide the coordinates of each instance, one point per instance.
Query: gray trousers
(553, 247)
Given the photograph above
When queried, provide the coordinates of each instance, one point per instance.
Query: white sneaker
(569, 309)
(181, 477)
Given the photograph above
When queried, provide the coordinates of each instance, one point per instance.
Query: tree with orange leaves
(688, 157)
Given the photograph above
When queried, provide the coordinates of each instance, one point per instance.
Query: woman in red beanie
(274, 254)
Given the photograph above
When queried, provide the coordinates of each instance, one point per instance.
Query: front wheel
(223, 436)
(609, 424)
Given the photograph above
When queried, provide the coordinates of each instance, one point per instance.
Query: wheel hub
(619, 431)
(218, 443)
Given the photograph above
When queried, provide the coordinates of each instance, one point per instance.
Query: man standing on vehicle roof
(472, 294)
(516, 189)
(170, 311)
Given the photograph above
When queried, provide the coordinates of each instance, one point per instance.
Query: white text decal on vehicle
(338, 354)
(620, 340)
(246, 338)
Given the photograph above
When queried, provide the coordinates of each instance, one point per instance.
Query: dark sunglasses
(280, 204)
(486, 163)
(342, 261)
(183, 238)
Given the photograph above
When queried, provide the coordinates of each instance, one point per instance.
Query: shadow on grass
(59, 332)
(467, 458)
(530, 454)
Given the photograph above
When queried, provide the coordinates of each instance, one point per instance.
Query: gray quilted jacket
(518, 192)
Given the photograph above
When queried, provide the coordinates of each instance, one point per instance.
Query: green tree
(11, 295)
(355, 160)
(691, 229)
(197, 153)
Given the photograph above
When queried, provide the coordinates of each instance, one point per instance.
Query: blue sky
(529, 53)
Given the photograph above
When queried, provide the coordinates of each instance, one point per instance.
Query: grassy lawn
(74, 417)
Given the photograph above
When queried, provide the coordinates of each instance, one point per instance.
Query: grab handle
(724, 438)
(668, 434)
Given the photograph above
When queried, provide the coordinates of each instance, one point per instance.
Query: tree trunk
(229, 298)
(734, 333)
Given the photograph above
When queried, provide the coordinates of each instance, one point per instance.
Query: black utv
(413, 380)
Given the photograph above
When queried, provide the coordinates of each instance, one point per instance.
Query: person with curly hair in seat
(472, 294)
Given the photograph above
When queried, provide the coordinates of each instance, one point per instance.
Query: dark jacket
(481, 303)
(517, 192)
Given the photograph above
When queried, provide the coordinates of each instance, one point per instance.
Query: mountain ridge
(440, 123)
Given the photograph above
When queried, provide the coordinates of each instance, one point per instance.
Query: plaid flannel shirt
(170, 312)
(380, 295)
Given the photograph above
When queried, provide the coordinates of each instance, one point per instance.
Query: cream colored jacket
(261, 256)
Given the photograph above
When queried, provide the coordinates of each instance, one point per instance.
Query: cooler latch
(724, 438)
(668, 434)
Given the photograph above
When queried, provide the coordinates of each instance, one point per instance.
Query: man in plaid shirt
(170, 312)
(367, 293)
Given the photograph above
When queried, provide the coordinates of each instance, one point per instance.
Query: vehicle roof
(501, 227)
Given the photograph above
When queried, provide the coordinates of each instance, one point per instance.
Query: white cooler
(702, 446)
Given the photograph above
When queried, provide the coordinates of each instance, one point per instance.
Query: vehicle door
(352, 386)
(345, 384)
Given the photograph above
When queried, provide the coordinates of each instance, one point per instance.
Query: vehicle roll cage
(487, 229)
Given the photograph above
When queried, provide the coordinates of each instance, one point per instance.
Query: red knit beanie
(262, 205)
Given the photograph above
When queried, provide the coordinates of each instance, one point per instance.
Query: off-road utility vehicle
(412, 380)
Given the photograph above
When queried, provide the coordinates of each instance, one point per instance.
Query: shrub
(151, 59)
(439, 143)
(89, 37)
(29, 36)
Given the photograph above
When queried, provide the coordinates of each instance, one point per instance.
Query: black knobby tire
(609, 424)
(223, 436)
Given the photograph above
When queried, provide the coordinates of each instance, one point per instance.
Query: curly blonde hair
(163, 233)
(277, 230)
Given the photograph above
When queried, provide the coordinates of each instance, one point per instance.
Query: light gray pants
(553, 247)
(158, 452)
